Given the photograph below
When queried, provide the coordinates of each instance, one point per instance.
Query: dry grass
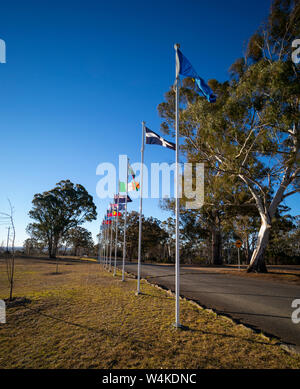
(86, 318)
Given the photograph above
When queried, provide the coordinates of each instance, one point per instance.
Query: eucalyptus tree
(59, 210)
(79, 238)
(252, 132)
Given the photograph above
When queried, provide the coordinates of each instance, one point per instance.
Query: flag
(122, 199)
(122, 187)
(184, 67)
(133, 186)
(130, 171)
(107, 216)
(154, 139)
(121, 207)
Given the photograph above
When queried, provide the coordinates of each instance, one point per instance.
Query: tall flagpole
(110, 246)
(107, 244)
(116, 241)
(103, 243)
(99, 243)
(105, 249)
(141, 211)
(177, 258)
(125, 225)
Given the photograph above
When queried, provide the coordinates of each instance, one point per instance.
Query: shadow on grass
(118, 336)
(17, 301)
(157, 297)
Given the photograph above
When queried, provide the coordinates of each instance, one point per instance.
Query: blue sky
(82, 75)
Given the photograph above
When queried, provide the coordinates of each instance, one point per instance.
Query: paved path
(264, 304)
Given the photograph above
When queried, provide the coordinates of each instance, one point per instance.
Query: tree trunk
(54, 249)
(247, 250)
(50, 251)
(216, 247)
(257, 263)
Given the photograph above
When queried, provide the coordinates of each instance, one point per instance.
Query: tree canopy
(59, 210)
(250, 136)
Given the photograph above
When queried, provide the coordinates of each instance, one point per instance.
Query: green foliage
(57, 211)
(249, 139)
(155, 237)
(79, 238)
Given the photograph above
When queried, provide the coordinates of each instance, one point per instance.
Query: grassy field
(84, 317)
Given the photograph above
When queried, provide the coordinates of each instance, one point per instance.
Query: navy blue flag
(154, 139)
(185, 68)
(122, 199)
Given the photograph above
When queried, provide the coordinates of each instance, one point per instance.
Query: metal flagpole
(177, 258)
(102, 244)
(105, 234)
(107, 243)
(99, 248)
(141, 210)
(125, 225)
(110, 246)
(116, 241)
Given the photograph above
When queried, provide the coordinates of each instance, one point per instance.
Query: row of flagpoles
(184, 68)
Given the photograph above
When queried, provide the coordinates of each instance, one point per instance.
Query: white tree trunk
(257, 262)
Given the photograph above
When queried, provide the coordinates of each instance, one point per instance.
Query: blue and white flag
(154, 139)
(121, 199)
(185, 68)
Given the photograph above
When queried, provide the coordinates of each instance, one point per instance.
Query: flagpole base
(138, 293)
(180, 326)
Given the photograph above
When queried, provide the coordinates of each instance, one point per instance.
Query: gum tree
(252, 131)
(59, 210)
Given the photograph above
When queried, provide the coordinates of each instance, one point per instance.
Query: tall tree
(79, 238)
(252, 131)
(57, 211)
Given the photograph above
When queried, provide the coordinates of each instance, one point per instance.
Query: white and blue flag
(154, 139)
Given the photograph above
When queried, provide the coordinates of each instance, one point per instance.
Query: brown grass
(86, 318)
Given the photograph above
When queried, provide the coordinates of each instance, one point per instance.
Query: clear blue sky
(82, 75)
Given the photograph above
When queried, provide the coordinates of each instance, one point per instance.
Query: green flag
(122, 187)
